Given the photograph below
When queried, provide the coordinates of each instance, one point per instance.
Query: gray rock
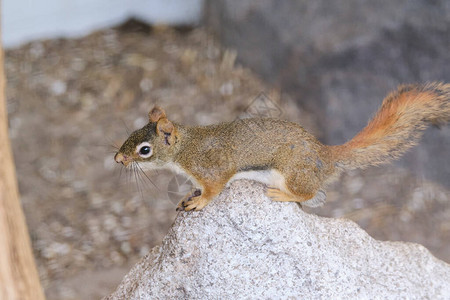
(245, 246)
(340, 58)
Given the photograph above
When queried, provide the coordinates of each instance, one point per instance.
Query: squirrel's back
(397, 126)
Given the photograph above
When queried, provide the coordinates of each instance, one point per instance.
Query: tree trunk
(19, 278)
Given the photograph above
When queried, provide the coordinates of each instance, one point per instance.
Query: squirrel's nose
(120, 158)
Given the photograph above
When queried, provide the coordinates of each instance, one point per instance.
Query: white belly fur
(272, 178)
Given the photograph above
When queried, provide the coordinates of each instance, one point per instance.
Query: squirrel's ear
(166, 129)
(156, 114)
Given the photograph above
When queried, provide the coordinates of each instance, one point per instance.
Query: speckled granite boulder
(243, 245)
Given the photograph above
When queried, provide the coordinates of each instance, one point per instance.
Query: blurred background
(81, 75)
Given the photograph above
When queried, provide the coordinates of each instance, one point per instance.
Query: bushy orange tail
(397, 126)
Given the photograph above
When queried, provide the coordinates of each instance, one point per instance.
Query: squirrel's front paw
(192, 201)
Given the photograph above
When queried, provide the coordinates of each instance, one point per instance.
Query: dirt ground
(71, 102)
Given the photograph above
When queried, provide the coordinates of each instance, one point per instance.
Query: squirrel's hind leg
(277, 195)
(306, 192)
(304, 199)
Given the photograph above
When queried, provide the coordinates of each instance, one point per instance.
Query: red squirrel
(292, 162)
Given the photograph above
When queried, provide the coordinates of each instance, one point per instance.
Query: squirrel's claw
(196, 204)
(191, 201)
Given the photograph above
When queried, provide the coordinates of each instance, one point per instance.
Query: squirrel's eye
(144, 150)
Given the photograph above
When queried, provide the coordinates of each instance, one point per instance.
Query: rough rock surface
(340, 58)
(243, 245)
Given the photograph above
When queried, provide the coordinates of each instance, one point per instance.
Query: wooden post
(19, 279)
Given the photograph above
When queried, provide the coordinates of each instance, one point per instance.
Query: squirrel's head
(152, 143)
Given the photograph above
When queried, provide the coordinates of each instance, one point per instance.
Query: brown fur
(297, 164)
(397, 126)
